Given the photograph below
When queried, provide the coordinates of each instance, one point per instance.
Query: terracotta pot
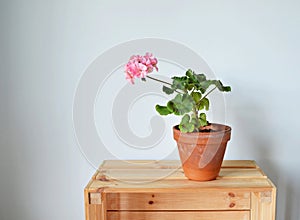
(202, 153)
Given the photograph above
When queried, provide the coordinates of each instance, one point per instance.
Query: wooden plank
(103, 206)
(239, 164)
(86, 203)
(141, 174)
(241, 173)
(87, 200)
(263, 205)
(259, 184)
(273, 204)
(154, 174)
(95, 205)
(206, 200)
(95, 198)
(215, 215)
(167, 164)
(140, 164)
(94, 212)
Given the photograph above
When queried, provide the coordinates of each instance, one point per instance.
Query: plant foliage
(191, 98)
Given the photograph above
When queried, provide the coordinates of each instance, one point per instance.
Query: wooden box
(153, 190)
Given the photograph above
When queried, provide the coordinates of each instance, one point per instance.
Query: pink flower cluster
(139, 66)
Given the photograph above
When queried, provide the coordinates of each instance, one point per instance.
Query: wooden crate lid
(149, 175)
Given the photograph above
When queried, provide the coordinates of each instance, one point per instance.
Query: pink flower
(139, 66)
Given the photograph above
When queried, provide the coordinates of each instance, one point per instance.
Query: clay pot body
(202, 153)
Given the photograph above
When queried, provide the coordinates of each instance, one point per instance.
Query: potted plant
(201, 144)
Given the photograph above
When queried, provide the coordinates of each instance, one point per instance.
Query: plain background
(46, 46)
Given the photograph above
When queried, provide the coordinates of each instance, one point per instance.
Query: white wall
(47, 45)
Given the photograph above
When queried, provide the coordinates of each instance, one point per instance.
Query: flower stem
(195, 111)
(158, 80)
(209, 92)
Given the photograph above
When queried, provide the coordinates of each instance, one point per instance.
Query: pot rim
(222, 129)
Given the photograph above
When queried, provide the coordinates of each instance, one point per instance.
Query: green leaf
(182, 103)
(190, 86)
(178, 83)
(168, 90)
(226, 88)
(185, 128)
(203, 86)
(192, 81)
(200, 77)
(162, 110)
(202, 119)
(170, 106)
(196, 96)
(195, 122)
(185, 119)
(203, 104)
(185, 125)
(189, 73)
(220, 86)
(178, 98)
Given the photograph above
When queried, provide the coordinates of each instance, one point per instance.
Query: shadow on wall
(256, 130)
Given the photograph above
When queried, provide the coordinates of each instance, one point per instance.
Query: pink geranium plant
(191, 91)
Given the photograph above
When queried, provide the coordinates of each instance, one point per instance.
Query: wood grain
(205, 200)
(263, 205)
(215, 215)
